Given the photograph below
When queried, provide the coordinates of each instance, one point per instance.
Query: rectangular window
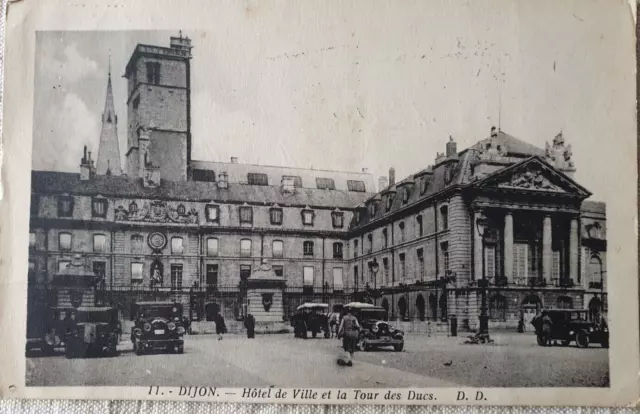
(177, 246)
(32, 239)
(245, 248)
(307, 248)
(355, 248)
(64, 241)
(100, 270)
(99, 208)
(278, 270)
(355, 275)
(153, 73)
(213, 213)
(99, 243)
(490, 261)
(354, 185)
(62, 264)
(176, 276)
(385, 269)
(278, 248)
(421, 269)
(444, 247)
(297, 181)
(370, 243)
(338, 283)
(136, 243)
(275, 216)
(212, 246)
(337, 250)
(325, 184)
(307, 217)
(136, 102)
(385, 239)
(520, 262)
(204, 175)
(420, 227)
(245, 272)
(65, 206)
(444, 218)
(308, 275)
(403, 267)
(246, 215)
(337, 219)
(212, 275)
(136, 272)
(257, 179)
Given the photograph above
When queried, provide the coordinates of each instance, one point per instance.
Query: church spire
(109, 150)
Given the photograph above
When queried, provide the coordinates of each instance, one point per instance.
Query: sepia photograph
(256, 206)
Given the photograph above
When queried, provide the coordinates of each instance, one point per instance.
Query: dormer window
(337, 219)
(390, 201)
(406, 193)
(308, 217)
(424, 185)
(246, 215)
(99, 207)
(373, 208)
(65, 206)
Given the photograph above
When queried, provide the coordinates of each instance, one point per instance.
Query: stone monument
(264, 299)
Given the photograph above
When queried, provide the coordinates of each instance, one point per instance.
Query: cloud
(70, 126)
(72, 65)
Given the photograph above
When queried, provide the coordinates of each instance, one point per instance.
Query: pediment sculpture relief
(158, 212)
(531, 180)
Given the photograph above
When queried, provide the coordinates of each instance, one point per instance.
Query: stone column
(547, 253)
(508, 246)
(574, 252)
(477, 248)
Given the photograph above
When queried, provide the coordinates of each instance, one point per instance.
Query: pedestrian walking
(349, 330)
(187, 325)
(333, 323)
(546, 328)
(250, 324)
(221, 328)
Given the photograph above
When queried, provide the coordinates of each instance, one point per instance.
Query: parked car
(311, 317)
(376, 331)
(47, 328)
(570, 325)
(157, 325)
(92, 331)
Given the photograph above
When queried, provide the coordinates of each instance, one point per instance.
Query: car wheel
(48, 350)
(327, 334)
(181, 349)
(68, 351)
(605, 344)
(398, 347)
(565, 343)
(361, 345)
(582, 340)
(541, 340)
(314, 334)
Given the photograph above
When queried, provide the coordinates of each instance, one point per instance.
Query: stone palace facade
(502, 218)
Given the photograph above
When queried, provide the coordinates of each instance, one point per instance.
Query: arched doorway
(531, 305)
(595, 307)
(402, 308)
(443, 306)
(595, 273)
(420, 305)
(433, 307)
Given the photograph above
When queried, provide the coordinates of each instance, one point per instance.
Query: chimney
(439, 157)
(85, 166)
(494, 132)
(383, 183)
(365, 170)
(452, 148)
(392, 176)
(234, 160)
(223, 180)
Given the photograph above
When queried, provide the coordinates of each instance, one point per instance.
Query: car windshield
(156, 311)
(373, 314)
(101, 316)
(578, 316)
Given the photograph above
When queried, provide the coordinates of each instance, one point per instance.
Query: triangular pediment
(533, 174)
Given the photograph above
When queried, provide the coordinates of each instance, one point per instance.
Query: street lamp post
(375, 267)
(482, 224)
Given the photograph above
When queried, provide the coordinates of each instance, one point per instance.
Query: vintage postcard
(324, 202)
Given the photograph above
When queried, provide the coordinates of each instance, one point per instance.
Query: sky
(332, 89)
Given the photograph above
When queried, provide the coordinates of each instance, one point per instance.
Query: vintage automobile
(92, 331)
(569, 325)
(311, 317)
(157, 325)
(47, 327)
(376, 331)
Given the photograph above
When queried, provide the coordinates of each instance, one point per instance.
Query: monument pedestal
(264, 300)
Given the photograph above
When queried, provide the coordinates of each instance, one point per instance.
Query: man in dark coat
(250, 324)
(221, 328)
(546, 328)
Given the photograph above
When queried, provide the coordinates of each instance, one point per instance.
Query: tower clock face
(157, 241)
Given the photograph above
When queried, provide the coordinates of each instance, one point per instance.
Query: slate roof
(50, 182)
